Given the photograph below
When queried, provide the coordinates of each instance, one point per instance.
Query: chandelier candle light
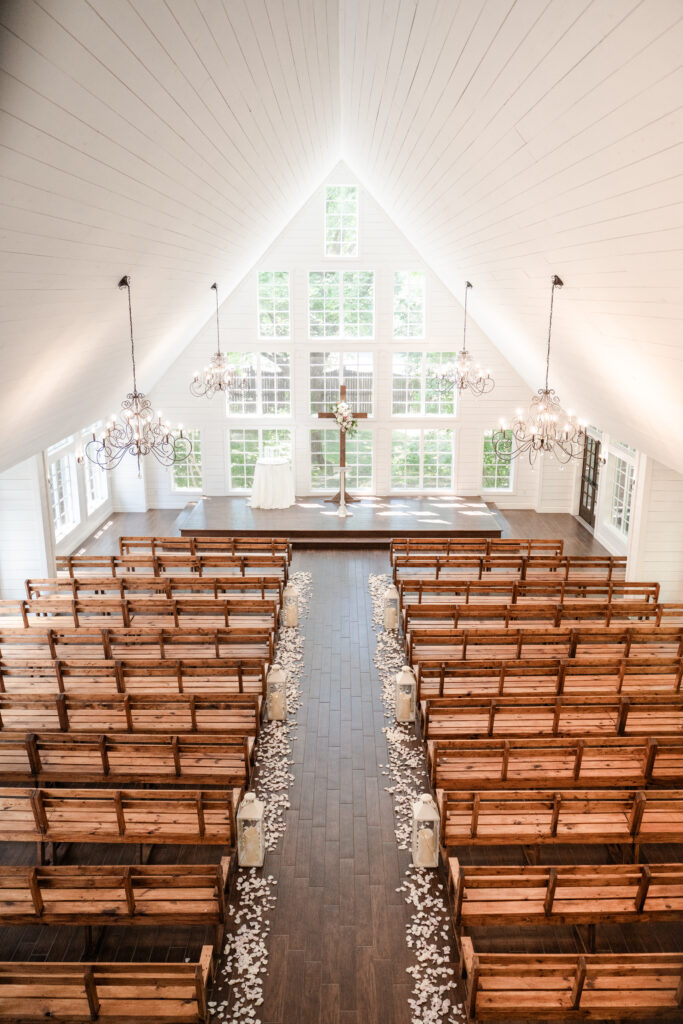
(138, 433)
(546, 428)
(465, 377)
(218, 376)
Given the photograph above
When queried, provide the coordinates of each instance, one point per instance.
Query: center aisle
(337, 941)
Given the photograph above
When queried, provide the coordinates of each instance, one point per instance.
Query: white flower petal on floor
(238, 989)
(433, 999)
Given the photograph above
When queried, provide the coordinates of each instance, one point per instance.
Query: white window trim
(256, 354)
(421, 489)
(335, 338)
(431, 416)
(496, 490)
(280, 337)
(65, 451)
(340, 184)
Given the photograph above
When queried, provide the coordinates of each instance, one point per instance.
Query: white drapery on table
(273, 484)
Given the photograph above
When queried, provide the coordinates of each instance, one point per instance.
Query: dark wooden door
(589, 480)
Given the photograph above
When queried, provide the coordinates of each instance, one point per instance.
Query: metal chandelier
(465, 377)
(138, 433)
(218, 376)
(546, 427)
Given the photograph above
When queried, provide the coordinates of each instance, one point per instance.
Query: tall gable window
(341, 220)
(273, 304)
(341, 304)
(409, 304)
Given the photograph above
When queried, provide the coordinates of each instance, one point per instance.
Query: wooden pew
(508, 717)
(137, 642)
(457, 592)
(522, 567)
(89, 677)
(547, 677)
(572, 986)
(627, 817)
(589, 761)
(174, 564)
(50, 759)
(234, 715)
(527, 616)
(138, 585)
(156, 612)
(473, 545)
(109, 992)
(643, 640)
(140, 816)
(534, 895)
(157, 896)
(206, 545)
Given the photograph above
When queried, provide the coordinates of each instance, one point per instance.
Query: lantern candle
(290, 608)
(390, 607)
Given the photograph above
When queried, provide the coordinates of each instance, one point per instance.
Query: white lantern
(276, 694)
(290, 606)
(425, 845)
(406, 690)
(251, 843)
(391, 607)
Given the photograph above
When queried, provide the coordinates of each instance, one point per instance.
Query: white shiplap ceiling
(509, 140)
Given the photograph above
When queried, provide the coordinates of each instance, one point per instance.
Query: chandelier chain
(464, 325)
(557, 283)
(218, 325)
(125, 283)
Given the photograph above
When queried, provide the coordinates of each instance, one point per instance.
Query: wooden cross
(342, 442)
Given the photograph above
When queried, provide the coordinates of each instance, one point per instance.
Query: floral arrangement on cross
(344, 418)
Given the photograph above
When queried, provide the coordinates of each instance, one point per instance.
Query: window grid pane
(324, 380)
(187, 475)
(268, 391)
(358, 377)
(324, 304)
(273, 304)
(422, 459)
(96, 486)
(414, 389)
(63, 495)
(622, 494)
(245, 446)
(325, 460)
(341, 220)
(359, 304)
(496, 474)
(409, 304)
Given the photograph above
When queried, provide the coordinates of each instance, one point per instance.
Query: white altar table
(273, 485)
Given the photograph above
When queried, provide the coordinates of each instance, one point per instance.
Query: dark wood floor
(337, 947)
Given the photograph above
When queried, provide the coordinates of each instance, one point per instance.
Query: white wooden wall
(384, 250)
(26, 548)
(656, 538)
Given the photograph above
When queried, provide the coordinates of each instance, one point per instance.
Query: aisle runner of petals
(238, 991)
(427, 933)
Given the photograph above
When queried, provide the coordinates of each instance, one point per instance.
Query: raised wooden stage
(313, 521)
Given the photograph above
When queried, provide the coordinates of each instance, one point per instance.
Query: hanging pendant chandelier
(546, 427)
(218, 376)
(137, 433)
(465, 376)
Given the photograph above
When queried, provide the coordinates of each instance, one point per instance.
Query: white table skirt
(273, 484)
